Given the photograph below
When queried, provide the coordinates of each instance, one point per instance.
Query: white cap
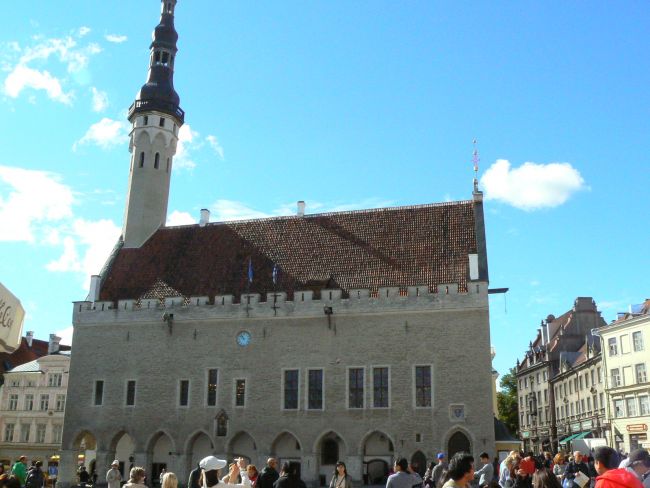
(115, 463)
(211, 463)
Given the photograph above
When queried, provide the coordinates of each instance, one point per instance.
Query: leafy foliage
(507, 402)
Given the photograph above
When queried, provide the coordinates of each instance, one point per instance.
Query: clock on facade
(243, 338)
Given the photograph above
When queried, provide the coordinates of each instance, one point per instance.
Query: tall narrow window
(616, 377)
(24, 432)
(60, 403)
(184, 393)
(142, 159)
(130, 393)
(240, 393)
(9, 432)
(29, 402)
(57, 431)
(146, 120)
(637, 341)
(291, 389)
(380, 387)
(355, 386)
(423, 386)
(641, 375)
(99, 392)
(612, 345)
(315, 389)
(630, 404)
(45, 402)
(644, 405)
(156, 161)
(213, 377)
(40, 433)
(162, 122)
(618, 408)
(13, 402)
(165, 60)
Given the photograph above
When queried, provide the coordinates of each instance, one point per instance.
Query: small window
(355, 388)
(9, 432)
(156, 161)
(213, 376)
(423, 386)
(142, 159)
(291, 389)
(13, 402)
(24, 432)
(637, 341)
(99, 392)
(130, 393)
(641, 375)
(240, 393)
(165, 58)
(380, 387)
(184, 393)
(616, 377)
(54, 379)
(60, 403)
(630, 404)
(29, 402)
(162, 122)
(45, 402)
(315, 389)
(40, 433)
(157, 57)
(613, 347)
(57, 433)
(145, 120)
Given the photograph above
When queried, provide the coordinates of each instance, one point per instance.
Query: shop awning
(582, 435)
(567, 439)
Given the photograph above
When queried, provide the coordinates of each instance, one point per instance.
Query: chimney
(544, 333)
(53, 345)
(473, 266)
(205, 217)
(29, 337)
(95, 282)
(301, 208)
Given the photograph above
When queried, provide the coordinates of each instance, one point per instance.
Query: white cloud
(25, 65)
(531, 186)
(32, 197)
(106, 133)
(188, 140)
(100, 100)
(223, 210)
(179, 218)
(215, 145)
(115, 38)
(65, 335)
(86, 247)
(22, 77)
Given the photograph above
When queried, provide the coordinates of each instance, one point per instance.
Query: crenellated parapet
(304, 304)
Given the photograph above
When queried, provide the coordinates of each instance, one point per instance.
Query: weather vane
(475, 160)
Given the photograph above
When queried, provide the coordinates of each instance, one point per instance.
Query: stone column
(354, 466)
(103, 460)
(309, 469)
(67, 469)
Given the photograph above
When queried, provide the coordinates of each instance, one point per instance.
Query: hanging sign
(12, 316)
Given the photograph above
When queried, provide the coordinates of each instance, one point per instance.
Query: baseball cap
(639, 456)
(441, 455)
(211, 463)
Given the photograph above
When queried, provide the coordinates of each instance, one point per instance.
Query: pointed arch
(198, 445)
(157, 436)
(242, 444)
(85, 437)
(462, 438)
(117, 437)
(390, 447)
(282, 445)
(329, 434)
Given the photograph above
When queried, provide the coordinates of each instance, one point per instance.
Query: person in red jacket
(606, 462)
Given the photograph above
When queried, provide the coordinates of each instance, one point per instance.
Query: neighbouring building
(359, 335)
(559, 381)
(626, 362)
(32, 404)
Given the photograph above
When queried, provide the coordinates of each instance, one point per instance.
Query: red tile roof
(25, 353)
(402, 246)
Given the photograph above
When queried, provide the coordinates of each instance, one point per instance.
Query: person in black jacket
(35, 478)
(288, 478)
(195, 475)
(269, 475)
(575, 466)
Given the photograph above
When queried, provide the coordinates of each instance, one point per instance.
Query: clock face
(243, 338)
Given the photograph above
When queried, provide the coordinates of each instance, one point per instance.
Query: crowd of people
(604, 467)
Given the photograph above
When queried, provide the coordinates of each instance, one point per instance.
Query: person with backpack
(35, 478)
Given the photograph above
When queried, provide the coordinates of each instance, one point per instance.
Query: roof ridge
(327, 214)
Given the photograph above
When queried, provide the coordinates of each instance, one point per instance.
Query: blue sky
(345, 105)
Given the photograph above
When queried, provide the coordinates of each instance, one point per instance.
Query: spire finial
(475, 160)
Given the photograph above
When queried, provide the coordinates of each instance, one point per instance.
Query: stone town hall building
(363, 336)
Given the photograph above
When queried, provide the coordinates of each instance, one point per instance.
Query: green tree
(507, 401)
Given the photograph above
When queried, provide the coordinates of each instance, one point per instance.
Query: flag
(274, 274)
(250, 270)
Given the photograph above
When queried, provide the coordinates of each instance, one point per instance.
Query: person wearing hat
(441, 467)
(210, 467)
(113, 475)
(639, 464)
